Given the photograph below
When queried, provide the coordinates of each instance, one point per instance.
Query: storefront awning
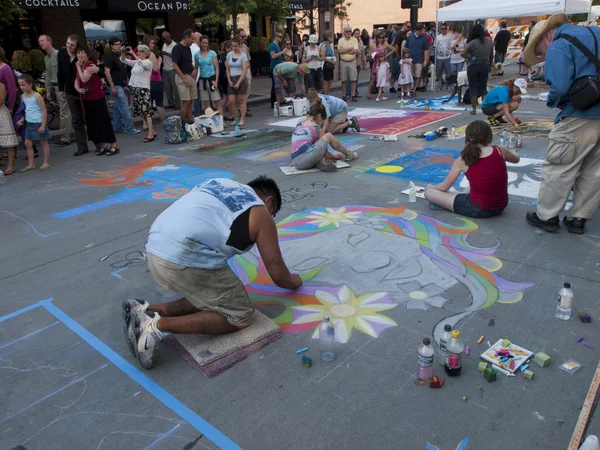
(147, 5)
(36, 4)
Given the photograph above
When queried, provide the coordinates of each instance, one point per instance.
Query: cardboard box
(214, 123)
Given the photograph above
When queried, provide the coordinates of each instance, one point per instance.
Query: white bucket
(298, 106)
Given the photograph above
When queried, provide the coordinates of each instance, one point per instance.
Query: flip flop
(28, 169)
(45, 167)
(352, 156)
(9, 172)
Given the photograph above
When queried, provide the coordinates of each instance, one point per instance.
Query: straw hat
(304, 67)
(537, 32)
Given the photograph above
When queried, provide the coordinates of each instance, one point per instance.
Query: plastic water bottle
(276, 110)
(443, 342)
(503, 138)
(590, 443)
(237, 132)
(565, 302)
(2, 179)
(512, 141)
(453, 131)
(425, 359)
(327, 338)
(402, 101)
(412, 194)
(454, 350)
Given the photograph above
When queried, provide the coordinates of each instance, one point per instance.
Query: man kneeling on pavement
(573, 158)
(188, 248)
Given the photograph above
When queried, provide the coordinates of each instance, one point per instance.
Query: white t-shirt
(236, 68)
(442, 46)
(195, 48)
(167, 60)
(462, 79)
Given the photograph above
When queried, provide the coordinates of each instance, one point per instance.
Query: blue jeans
(348, 84)
(499, 58)
(121, 112)
(457, 67)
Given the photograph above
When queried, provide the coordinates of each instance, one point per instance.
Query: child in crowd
(36, 128)
(406, 77)
(8, 137)
(484, 165)
(383, 75)
(503, 100)
(310, 145)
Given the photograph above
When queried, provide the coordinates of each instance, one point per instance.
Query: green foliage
(258, 44)
(10, 11)
(341, 9)
(220, 11)
(214, 47)
(20, 61)
(37, 59)
(146, 25)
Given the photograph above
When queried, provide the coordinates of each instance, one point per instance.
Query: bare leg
(11, 158)
(474, 104)
(326, 87)
(335, 143)
(181, 307)
(416, 85)
(343, 89)
(161, 113)
(336, 127)
(202, 322)
(219, 106)
(379, 93)
(231, 105)
(371, 86)
(29, 149)
(443, 199)
(46, 150)
(242, 101)
(353, 87)
(148, 121)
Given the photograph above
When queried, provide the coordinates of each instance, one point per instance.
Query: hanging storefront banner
(301, 5)
(148, 5)
(35, 4)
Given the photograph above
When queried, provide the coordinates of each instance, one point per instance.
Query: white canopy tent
(483, 9)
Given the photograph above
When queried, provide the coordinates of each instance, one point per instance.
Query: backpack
(194, 131)
(174, 131)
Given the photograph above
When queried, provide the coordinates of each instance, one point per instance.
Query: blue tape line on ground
(152, 387)
(22, 310)
(463, 444)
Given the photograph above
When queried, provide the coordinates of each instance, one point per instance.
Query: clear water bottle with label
(327, 338)
(503, 138)
(565, 302)
(443, 342)
(453, 131)
(425, 360)
(512, 141)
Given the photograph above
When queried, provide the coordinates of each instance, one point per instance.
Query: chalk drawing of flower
(424, 297)
(333, 216)
(348, 312)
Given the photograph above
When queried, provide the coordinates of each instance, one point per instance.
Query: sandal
(113, 151)
(326, 167)
(492, 120)
(354, 99)
(45, 166)
(101, 151)
(28, 169)
(351, 156)
(344, 98)
(9, 172)
(147, 139)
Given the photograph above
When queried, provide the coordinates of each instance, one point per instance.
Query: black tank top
(240, 232)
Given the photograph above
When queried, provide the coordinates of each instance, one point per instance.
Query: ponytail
(478, 134)
(318, 108)
(312, 95)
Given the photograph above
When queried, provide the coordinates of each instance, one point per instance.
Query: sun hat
(521, 84)
(304, 67)
(537, 32)
(313, 39)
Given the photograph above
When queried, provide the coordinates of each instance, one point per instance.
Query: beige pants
(66, 128)
(573, 159)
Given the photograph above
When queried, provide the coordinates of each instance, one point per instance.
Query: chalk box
(490, 355)
(214, 123)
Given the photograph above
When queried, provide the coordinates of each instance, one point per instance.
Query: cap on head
(537, 33)
(313, 39)
(521, 84)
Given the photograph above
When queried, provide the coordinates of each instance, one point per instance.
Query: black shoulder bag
(585, 92)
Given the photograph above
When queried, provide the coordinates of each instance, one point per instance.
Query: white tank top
(315, 63)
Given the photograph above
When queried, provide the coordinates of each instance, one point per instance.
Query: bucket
(298, 106)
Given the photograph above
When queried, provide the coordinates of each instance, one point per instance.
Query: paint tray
(516, 351)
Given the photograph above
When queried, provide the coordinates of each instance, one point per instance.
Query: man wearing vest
(348, 48)
(573, 158)
(188, 248)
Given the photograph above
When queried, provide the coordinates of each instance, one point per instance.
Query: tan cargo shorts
(217, 290)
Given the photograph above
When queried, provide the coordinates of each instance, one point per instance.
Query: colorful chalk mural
(529, 130)
(273, 147)
(436, 104)
(151, 180)
(388, 122)
(406, 259)
(429, 165)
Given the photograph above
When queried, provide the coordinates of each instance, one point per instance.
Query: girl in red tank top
(484, 165)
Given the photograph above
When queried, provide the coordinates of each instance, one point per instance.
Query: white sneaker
(148, 337)
(129, 307)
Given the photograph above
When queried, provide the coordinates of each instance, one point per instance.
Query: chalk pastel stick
(588, 345)
(579, 339)
(302, 350)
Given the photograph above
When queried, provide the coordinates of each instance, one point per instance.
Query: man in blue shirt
(275, 57)
(418, 44)
(573, 158)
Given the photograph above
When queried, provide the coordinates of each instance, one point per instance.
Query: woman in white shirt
(457, 46)
(312, 57)
(237, 69)
(139, 82)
